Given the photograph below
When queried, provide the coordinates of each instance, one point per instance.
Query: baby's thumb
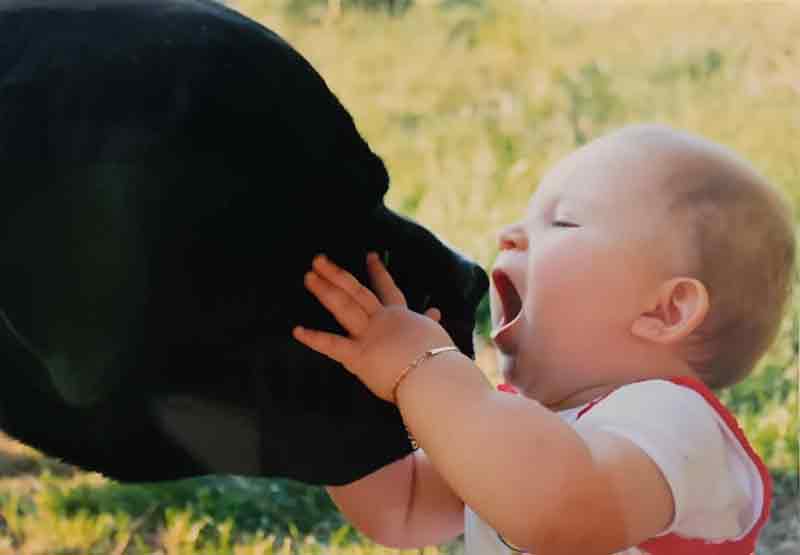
(434, 314)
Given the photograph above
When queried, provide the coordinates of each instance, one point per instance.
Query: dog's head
(169, 170)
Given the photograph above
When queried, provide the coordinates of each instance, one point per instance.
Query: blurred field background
(468, 102)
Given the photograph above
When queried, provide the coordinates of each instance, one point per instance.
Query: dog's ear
(169, 170)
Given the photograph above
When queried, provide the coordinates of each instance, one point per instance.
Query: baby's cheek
(568, 291)
(563, 271)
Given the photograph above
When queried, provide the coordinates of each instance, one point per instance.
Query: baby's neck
(581, 396)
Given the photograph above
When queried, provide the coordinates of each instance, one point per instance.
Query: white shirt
(715, 485)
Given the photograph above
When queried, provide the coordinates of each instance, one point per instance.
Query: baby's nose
(512, 237)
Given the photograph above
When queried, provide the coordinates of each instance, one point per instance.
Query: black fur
(168, 169)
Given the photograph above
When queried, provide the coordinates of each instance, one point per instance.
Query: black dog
(168, 169)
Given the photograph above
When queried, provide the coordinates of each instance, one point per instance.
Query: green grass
(468, 106)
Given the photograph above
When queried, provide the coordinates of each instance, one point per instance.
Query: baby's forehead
(587, 177)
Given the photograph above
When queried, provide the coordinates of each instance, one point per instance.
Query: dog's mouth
(511, 311)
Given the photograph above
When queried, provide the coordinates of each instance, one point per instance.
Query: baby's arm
(378, 502)
(405, 504)
(638, 503)
(435, 513)
(544, 486)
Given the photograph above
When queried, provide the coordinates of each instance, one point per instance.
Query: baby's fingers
(347, 282)
(339, 348)
(383, 282)
(339, 303)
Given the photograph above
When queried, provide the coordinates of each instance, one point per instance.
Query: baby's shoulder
(719, 484)
(661, 394)
(663, 404)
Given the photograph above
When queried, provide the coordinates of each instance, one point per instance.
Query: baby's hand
(385, 336)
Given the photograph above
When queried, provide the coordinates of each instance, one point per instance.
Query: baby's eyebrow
(551, 205)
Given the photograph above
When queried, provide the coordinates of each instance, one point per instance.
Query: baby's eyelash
(559, 223)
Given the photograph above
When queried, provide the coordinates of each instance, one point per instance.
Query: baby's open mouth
(511, 310)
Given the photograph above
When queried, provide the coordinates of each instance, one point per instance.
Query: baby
(651, 267)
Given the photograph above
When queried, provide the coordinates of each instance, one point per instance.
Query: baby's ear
(678, 308)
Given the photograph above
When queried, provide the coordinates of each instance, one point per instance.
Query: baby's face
(573, 274)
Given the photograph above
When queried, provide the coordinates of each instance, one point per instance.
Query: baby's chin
(528, 382)
(515, 374)
(506, 367)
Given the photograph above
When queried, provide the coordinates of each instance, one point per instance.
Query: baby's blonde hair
(738, 232)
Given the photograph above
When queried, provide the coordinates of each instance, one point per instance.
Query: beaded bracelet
(428, 354)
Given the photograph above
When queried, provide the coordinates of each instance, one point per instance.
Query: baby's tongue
(506, 337)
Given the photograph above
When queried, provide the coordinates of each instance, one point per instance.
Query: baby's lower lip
(505, 335)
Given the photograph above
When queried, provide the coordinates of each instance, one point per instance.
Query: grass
(468, 106)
